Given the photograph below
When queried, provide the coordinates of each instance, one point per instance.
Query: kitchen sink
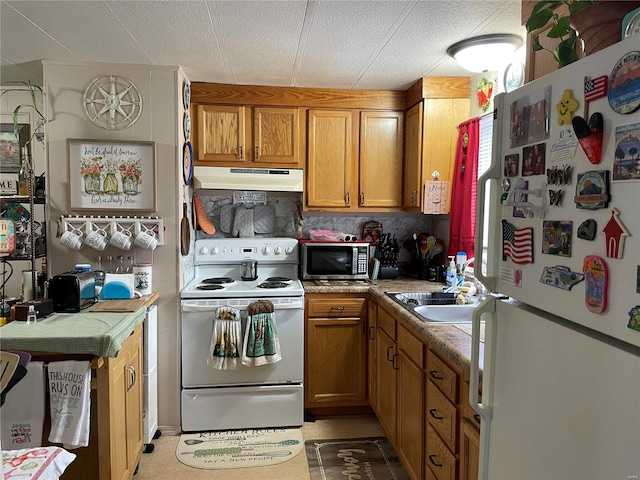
(434, 306)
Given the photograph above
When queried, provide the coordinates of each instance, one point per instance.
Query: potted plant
(40, 120)
(596, 23)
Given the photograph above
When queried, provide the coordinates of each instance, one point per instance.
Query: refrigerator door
(560, 403)
(548, 206)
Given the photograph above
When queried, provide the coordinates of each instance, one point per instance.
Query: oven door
(197, 330)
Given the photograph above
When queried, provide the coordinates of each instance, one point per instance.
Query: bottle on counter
(99, 276)
(129, 267)
(109, 264)
(32, 316)
(451, 272)
(120, 264)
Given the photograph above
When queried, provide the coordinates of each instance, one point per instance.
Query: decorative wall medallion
(113, 102)
(624, 84)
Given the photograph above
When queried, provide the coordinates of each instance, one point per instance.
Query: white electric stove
(267, 396)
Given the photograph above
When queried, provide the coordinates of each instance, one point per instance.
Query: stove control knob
(289, 250)
(215, 251)
(204, 250)
(277, 250)
(266, 250)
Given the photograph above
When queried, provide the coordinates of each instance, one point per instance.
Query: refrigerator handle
(487, 307)
(493, 173)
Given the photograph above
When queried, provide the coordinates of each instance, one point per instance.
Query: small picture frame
(111, 175)
(11, 146)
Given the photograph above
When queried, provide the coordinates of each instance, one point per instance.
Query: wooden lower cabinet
(335, 351)
(116, 437)
(421, 402)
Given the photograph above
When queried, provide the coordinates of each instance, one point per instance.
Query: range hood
(240, 178)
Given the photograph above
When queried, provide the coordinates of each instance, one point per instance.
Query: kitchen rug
(371, 458)
(239, 448)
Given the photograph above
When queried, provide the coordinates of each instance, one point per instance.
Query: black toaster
(72, 291)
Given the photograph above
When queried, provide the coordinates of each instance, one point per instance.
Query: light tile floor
(162, 463)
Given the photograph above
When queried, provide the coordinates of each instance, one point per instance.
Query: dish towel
(22, 414)
(70, 402)
(224, 352)
(261, 344)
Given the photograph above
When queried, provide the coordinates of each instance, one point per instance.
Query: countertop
(94, 333)
(453, 340)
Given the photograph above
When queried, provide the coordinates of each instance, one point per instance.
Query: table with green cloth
(95, 333)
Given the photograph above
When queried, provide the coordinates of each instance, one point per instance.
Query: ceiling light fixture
(485, 52)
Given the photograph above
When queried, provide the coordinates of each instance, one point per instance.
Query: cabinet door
(277, 136)
(441, 117)
(116, 462)
(412, 184)
(410, 423)
(221, 133)
(336, 362)
(469, 451)
(134, 401)
(381, 150)
(331, 158)
(386, 382)
(372, 321)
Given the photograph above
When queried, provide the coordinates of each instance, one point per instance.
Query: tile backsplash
(401, 224)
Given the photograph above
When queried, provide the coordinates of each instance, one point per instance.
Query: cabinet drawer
(441, 414)
(466, 410)
(443, 376)
(411, 346)
(387, 323)
(337, 307)
(440, 460)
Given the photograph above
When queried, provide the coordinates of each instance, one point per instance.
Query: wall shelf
(112, 224)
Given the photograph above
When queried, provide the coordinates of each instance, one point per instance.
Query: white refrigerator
(560, 373)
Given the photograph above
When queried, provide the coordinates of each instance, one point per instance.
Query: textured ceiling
(299, 43)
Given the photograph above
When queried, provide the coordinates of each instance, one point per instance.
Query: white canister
(142, 276)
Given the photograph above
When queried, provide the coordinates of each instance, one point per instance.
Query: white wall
(160, 122)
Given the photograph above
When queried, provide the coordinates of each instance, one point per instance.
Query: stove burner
(211, 286)
(218, 280)
(278, 279)
(269, 284)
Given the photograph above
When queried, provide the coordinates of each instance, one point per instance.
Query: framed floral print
(111, 175)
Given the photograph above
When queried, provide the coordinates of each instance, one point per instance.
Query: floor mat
(239, 448)
(371, 458)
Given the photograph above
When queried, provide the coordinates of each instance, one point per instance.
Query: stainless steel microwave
(334, 260)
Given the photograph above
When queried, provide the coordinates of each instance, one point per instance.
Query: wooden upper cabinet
(412, 184)
(380, 172)
(221, 133)
(277, 136)
(439, 104)
(332, 139)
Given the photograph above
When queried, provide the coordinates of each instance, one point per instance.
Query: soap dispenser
(451, 272)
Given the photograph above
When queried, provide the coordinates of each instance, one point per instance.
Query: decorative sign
(592, 190)
(615, 233)
(436, 197)
(556, 237)
(626, 165)
(597, 283)
(111, 175)
(560, 277)
(8, 187)
(624, 84)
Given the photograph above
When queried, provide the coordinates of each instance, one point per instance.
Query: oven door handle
(212, 308)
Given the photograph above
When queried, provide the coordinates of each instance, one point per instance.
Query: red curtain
(462, 229)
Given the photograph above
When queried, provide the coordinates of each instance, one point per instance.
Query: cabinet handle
(434, 374)
(240, 151)
(337, 308)
(257, 152)
(388, 349)
(433, 462)
(393, 362)
(432, 412)
(362, 198)
(372, 332)
(132, 377)
(413, 196)
(476, 417)
(346, 199)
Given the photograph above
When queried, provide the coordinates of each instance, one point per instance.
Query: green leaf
(565, 53)
(536, 47)
(539, 19)
(560, 29)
